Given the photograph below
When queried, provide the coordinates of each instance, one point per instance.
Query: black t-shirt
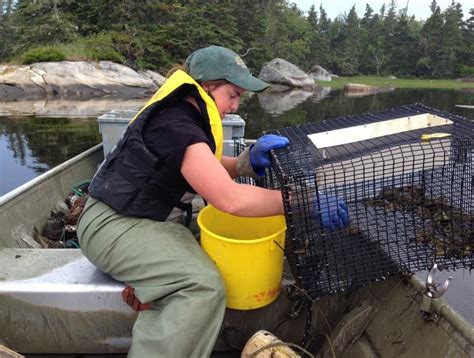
(134, 183)
(170, 132)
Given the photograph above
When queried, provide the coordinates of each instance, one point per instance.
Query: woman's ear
(208, 86)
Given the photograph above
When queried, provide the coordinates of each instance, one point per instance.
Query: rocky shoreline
(79, 80)
(82, 80)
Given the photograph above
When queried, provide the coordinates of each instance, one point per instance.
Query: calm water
(30, 145)
(259, 116)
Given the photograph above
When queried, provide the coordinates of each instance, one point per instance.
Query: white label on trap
(375, 130)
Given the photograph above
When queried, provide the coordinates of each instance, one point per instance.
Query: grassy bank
(338, 83)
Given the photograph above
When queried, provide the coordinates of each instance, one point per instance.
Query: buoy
(8, 353)
(263, 344)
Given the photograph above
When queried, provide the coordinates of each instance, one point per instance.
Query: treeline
(153, 34)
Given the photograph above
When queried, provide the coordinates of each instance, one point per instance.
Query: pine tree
(467, 56)
(403, 61)
(321, 51)
(250, 24)
(372, 58)
(431, 33)
(389, 24)
(42, 23)
(157, 33)
(287, 33)
(8, 38)
(312, 18)
(347, 44)
(451, 40)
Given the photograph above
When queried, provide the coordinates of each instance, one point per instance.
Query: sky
(419, 8)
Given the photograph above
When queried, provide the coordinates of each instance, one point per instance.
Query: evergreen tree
(467, 55)
(312, 18)
(286, 33)
(431, 33)
(40, 23)
(347, 44)
(372, 58)
(250, 25)
(157, 33)
(451, 39)
(323, 52)
(6, 27)
(403, 60)
(320, 52)
(389, 24)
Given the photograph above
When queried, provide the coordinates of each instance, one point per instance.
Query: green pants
(166, 266)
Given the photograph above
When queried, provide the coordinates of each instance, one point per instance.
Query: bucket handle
(276, 244)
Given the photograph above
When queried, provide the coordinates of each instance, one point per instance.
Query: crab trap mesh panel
(406, 175)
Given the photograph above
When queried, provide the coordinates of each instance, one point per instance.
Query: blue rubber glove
(260, 151)
(333, 212)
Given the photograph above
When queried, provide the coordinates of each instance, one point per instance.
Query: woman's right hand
(260, 151)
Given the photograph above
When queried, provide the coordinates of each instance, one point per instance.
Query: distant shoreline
(385, 81)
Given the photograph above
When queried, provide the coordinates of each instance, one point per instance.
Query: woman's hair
(177, 66)
(215, 83)
(184, 67)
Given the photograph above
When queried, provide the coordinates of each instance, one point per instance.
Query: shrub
(466, 71)
(42, 54)
(101, 47)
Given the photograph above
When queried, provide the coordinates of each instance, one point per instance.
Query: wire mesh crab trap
(406, 175)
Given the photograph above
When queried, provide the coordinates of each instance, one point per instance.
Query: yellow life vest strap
(178, 79)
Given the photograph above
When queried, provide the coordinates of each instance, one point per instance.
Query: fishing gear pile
(406, 175)
(60, 229)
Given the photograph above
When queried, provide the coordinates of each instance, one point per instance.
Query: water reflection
(30, 146)
(66, 108)
(336, 104)
(279, 102)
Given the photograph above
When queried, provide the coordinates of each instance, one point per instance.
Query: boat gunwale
(445, 310)
(45, 176)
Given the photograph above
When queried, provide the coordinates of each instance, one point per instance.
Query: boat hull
(53, 301)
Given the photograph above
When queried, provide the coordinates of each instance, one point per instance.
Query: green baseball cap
(219, 63)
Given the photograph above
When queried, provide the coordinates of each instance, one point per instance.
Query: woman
(134, 226)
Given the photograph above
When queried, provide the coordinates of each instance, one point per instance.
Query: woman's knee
(209, 281)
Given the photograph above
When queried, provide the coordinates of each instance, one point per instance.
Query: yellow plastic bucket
(248, 253)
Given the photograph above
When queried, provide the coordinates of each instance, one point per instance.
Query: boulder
(318, 73)
(282, 72)
(467, 79)
(157, 78)
(357, 87)
(78, 79)
(359, 90)
(20, 82)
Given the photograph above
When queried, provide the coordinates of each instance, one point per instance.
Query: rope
(278, 344)
(309, 320)
(62, 238)
(308, 302)
(328, 338)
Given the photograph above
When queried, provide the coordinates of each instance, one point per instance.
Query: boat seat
(41, 287)
(56, 301)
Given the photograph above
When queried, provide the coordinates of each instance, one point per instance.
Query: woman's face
(226, 96)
